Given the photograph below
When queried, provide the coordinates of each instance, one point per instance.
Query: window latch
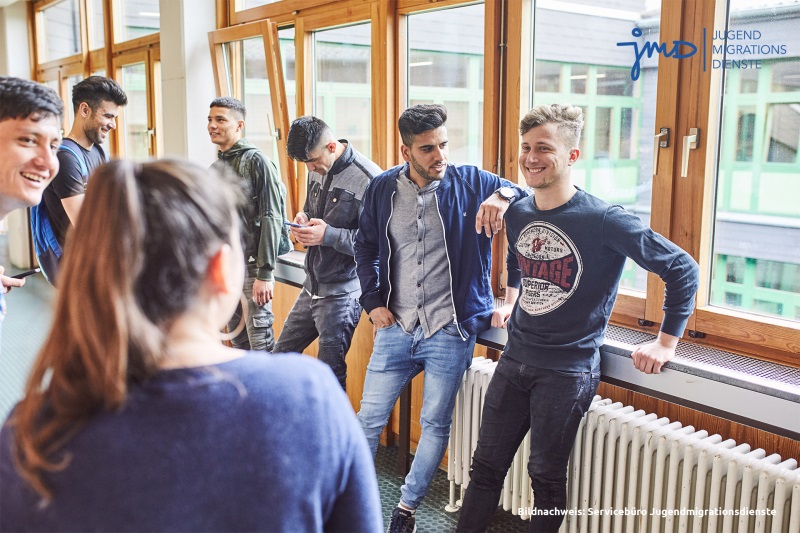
(663, 135)
(689, 143)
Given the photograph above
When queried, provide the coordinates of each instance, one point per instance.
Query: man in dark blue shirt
(97, 103)
(566, 252)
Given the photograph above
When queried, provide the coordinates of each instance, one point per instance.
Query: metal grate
(715, 358)
(710, 356)
(738, 363)
(628, 336)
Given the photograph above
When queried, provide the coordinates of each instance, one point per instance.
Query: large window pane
(784, 76)
(602, 133)
(247, 4)
(578, 78)
(445, 66)
(614, 81)
(342, 90)
(136, 137)
(137, 18)
(250, 84)
(286, 44)
(62, 37)
(757, 217)
(746, 132)
(784, 132)
(97, 35)
(576, 60)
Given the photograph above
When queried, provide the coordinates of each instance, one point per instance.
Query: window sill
(749, 391)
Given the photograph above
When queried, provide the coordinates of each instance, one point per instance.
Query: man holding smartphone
(30, 123)
(328, 305)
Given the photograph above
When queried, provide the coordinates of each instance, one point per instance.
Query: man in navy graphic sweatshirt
(566, 252)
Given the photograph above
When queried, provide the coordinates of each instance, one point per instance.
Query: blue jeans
(332, 319)
(257, 334)
(396, 358)
(551, 404)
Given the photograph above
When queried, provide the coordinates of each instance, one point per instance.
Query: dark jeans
(257, 334)
(551, 404)
(333, 319)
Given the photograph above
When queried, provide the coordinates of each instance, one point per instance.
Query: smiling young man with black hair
(30, 133)
(97, 102)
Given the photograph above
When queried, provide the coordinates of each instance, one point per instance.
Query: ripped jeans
(333, 319)
(257, 334)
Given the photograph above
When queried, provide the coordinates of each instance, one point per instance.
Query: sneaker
(402, 521)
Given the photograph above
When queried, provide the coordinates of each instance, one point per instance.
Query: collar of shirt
(432, 186)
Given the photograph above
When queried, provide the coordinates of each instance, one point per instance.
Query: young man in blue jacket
(566, 252)
(424, 263)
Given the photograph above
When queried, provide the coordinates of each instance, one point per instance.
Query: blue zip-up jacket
(458, 197)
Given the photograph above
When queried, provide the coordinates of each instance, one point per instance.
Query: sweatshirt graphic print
(550, 265)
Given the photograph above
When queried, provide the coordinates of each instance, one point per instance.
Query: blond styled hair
(568, 118)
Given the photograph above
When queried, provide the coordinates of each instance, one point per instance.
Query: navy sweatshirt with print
(567, 263)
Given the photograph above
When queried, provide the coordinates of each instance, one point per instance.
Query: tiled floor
(25, 327)
(431, 515)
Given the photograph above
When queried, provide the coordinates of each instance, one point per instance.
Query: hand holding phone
(26, 274)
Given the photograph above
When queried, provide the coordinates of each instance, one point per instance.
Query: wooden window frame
(383, 44)
(685, 100)
(149, 56)
(112, 7)
(107, 58)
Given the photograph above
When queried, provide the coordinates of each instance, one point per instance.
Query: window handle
(689, 143)
(659, 144)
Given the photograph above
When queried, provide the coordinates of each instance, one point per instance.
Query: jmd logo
(684, 49)
(651, 48)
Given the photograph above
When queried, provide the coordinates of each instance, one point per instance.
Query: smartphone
(26, 274)
(293, 225)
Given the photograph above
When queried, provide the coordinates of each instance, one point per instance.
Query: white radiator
(634, 472)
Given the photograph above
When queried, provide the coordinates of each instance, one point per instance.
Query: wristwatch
(506, 193)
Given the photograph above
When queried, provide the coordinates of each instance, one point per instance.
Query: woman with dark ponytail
(137, 418)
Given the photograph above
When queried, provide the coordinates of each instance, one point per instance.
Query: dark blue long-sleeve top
(567, 263)
(255, 444)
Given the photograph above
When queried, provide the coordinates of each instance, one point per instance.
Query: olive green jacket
(264, 214)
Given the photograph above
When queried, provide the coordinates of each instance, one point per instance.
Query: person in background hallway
(424, 267)
(97, 102)
(262, 219)
(328, 305)
(30, 134)
(566, 250)
(137, 418)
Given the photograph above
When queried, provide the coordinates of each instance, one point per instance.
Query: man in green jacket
(262, 219)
